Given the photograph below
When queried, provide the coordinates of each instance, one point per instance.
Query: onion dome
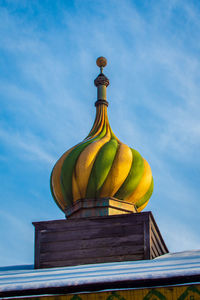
(101, 165)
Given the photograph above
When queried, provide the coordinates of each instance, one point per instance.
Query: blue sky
(48, 51)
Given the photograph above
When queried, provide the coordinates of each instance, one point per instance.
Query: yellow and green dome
(101, 165)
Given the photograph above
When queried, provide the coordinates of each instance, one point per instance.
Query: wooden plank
(116, 231)
(153, 253)
(102, 202)
(98, 207)
(77, 226)
(37, 249)
(135, 239)
(78, 223)
(89, 212)
(91, 253)
(155, 250)
(92, 232)
(83, 260)
(158, 239)
(156, 229)
(97, 211)
(89, 225)
(156, 244)
(146, 239)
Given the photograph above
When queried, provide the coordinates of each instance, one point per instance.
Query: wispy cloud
(16, 244)
(47, 94)
(179, 235)
(28, 147)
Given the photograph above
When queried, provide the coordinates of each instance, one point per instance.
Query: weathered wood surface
(146, 242)
(93, 252)
(92, 260)
(99, 207)
(97, 239)
(157, 243)
(137, 239)
(90, 233)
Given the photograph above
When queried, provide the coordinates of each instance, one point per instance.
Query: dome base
(81, 241)
(101, 207)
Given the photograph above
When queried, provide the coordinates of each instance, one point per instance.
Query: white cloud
(17, 239)
(47, 91)
(27, 146)
(179, 236)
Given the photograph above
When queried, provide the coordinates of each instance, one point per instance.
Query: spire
(101, 82)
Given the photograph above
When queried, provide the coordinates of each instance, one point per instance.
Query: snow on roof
(169, 265)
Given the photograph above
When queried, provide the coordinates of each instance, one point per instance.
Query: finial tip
(101, 62)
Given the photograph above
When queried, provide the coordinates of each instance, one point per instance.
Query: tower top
(101, 169)
(101, 79)
(101, 63)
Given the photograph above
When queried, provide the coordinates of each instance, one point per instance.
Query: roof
(168, 269)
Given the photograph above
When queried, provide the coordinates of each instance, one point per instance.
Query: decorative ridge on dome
(101, 165)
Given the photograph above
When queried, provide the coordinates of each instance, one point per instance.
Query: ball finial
(101, 62)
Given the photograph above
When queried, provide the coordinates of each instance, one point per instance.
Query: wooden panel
(156, 244)
(69, 223)
(158, 237)
(89, 212)
(99, 207)
(90, 253)
(146, 239)
(129, 240)
(37, 249)
(99, 239)
(83, 260)
(153, 253)
(154, 250)
(86, 233)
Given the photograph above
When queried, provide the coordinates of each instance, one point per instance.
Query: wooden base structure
(102, 239)
(85, 208)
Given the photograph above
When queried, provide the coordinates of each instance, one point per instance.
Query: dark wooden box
(97, 240)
